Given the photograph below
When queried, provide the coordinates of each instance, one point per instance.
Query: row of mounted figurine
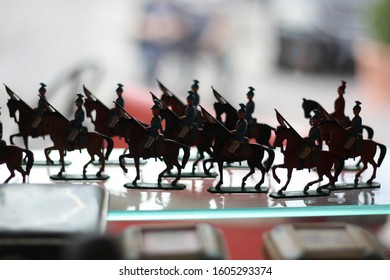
(239, 138)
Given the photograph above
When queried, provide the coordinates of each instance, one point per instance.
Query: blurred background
(286, 50)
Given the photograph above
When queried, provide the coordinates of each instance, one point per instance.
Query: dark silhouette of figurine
(194, 89)
(154, 128)
(240, 129)
(42, 106)
(339, 104)
(116, 112)
(312, 141)
(76, 124)
(250, 106)
(2, 142)
(356, 128)
(189, 116)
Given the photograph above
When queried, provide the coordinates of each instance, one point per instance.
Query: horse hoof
(369, 182)
(99, 174)
(280, 192)
(134, 183)
(125, 170)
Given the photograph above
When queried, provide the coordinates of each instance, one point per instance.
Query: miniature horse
(252, 153)
(323, 161)
(309, 105)
(27, 116)
(12, 156)
(195, 137)
(58, 125)
(335, 136)
(136, 138)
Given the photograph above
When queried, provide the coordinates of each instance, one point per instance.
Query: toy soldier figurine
(42, 106)
(356, 128)
(339, 104)
(240, 129)
(79, 116)
(116, 112)
(154, 128)
(313, 141)
(194, 89)
(250, 106)
(189, 116)
(2, 142)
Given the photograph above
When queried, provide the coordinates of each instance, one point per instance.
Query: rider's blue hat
(251, 91)
(242, 108)
(190, 95)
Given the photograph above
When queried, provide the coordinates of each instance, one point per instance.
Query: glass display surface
(195, 202)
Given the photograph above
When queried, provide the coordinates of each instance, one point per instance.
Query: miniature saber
(52, 107)
(88, 93)
(130, 116)
(281, 119)
(162, 103)
(13, 95)
(219, 97)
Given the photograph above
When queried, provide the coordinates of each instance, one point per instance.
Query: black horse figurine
(196, 136)
(253, 153)
(167, 149)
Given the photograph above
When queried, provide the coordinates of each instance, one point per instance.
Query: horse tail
(30, 160)
(370, 131)
(110, 146)
(382, 153)
(270, 160)
(186, 150)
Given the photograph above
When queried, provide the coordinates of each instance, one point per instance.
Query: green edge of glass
(206, 214)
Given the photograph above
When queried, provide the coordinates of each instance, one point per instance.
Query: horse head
(13, 106)
(90, 106)
(290, 135)
(308, 106)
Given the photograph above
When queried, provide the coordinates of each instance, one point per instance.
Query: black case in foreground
(40, 221)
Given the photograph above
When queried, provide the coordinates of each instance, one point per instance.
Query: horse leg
(339, 168)
(320, 178)
(289, 173)
(62, 161)
(11, 169)
(207, 171)
(375, 166)
(169, 167)
(11, 138)
(102, 161)
(22, 172)
(360, 172)
(48, 159)
(201, 156)
(122, 162)
(220, 168)
(251, 171)
(274, 172)
(137, 176)
(263, 171)
(178, 166)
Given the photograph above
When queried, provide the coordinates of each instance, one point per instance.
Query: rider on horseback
(240, 130)
(194, 89)
(189, 116)
(312, 141)
(154, 128)
(42, 107)
(116, 112)
(356, 129)
(250, 106)
(2, 142)
(339, 104)
(76, 124)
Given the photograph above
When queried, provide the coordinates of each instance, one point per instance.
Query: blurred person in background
(182, 31)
